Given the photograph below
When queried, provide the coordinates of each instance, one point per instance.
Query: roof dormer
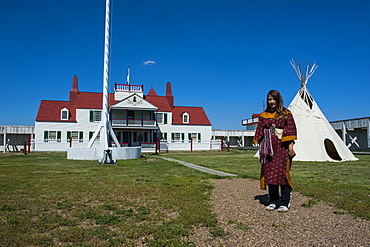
(185, 117)
(64, 114)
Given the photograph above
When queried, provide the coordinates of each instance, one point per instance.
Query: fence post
(29, 144)
(222, 144)
(228, 146)
(191, 144)
(25, 147)
(159, 144)
(70, 141)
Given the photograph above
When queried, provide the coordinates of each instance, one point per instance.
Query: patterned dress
(276, 167)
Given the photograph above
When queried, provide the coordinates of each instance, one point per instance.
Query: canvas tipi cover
(317, 140)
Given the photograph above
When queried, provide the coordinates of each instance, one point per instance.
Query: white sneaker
(271, 207)
(283, 209)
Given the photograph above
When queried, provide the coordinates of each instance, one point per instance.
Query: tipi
(317, 140)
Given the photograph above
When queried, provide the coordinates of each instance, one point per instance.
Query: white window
(52, 135)
(193, 136)
(160, 117)
(95, 115)
(64, 114)
(75, 135)
(177, 137)
(185, 117)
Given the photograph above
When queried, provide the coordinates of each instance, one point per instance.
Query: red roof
(197, 116)
(159, 101)
(50, 110)
(152, 92)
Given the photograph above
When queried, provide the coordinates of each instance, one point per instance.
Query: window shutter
(91, 116)
(172, 136)
(46, 136)
(91, 134)
(59, 136)
(189, 136)
(199, 137)
(182, 137)
(68, 135)
(81, 136)
(165, 118)
(165, 136)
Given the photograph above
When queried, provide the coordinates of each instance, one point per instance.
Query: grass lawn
(47, 200)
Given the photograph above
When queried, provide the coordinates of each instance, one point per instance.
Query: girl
(276, 132)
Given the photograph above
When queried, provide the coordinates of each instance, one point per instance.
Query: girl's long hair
(280, 109)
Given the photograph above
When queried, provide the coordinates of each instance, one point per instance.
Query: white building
(137, 120)
(355, 133)
(13, 137)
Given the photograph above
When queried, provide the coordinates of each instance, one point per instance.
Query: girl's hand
(291, 151)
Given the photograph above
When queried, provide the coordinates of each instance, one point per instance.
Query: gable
(134, 102)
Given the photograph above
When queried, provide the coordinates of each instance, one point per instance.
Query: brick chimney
(169, 95)
(74, 91)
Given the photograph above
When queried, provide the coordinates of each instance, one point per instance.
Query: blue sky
(223, 55)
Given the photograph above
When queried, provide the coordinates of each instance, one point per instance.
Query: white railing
(130, 88)
(59, 144)
(133, 122)
(181, 145)
(187, 145)
(249, 121)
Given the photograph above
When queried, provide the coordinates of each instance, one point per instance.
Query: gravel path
(241, 214)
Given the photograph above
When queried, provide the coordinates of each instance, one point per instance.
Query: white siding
(83, 124)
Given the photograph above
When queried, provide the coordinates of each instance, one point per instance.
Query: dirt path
(241, 214)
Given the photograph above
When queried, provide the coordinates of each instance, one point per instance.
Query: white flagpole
(104, 125)
(105, 117)
(128, 76)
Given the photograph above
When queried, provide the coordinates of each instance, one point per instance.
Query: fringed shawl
(266, 149)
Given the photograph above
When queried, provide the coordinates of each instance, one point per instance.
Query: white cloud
(149, 62)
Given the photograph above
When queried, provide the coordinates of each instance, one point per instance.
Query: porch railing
(130, 88)
(133, 122)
